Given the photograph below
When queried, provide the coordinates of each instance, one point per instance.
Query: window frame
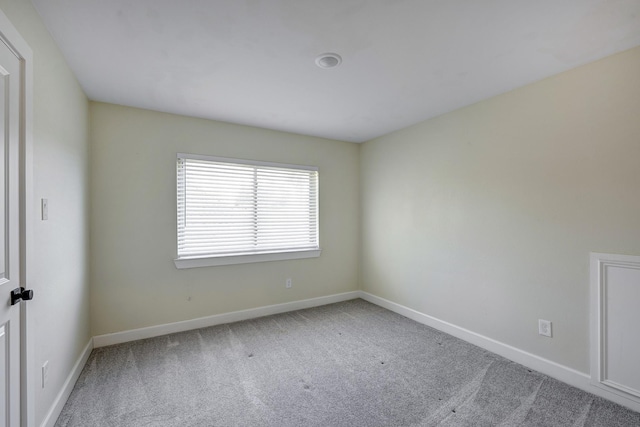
(243, 258)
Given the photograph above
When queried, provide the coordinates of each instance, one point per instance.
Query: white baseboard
(218, 319)
(563, 373)
(67, 387)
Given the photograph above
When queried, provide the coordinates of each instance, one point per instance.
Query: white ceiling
(252, 61)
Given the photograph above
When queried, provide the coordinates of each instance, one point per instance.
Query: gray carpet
(345, 364)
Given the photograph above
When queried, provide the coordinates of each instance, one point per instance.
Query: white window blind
(231, 207)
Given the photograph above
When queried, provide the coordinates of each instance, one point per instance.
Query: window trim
(213, 261)
(243, 161)
(209, 260)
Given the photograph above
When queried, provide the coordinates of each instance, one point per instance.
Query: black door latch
(21, 294)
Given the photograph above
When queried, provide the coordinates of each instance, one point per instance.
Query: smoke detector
(328, 60)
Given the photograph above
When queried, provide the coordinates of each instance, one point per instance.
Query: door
(10, 76)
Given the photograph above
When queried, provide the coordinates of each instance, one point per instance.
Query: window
(233, 211)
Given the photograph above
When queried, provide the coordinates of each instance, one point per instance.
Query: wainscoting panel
(615, 327)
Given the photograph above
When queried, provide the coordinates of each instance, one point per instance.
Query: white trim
(244, 259)
(218, 319)
(598, 266)
(54, 412)
(12, 37)
(560, 372)
(244, 161)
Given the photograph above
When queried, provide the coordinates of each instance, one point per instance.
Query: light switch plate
(45, 209)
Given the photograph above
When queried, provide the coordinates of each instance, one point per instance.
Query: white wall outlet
(45, 373)
(288, 283)
(544, 328)
(45, 209)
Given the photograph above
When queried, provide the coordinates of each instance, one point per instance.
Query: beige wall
(133, 229)
(60, 307)
(485, 217)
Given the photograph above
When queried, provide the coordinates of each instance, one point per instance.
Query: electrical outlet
(544, 328)
(288, 283)
(45, 373)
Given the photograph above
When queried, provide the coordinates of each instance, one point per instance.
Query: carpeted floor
(346, 364)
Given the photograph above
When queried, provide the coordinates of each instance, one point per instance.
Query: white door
(9, 237)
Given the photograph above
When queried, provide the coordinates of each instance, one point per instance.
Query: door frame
(13, 39)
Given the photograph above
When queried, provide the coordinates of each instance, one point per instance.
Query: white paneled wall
(615, 337)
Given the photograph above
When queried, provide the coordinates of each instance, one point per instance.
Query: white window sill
(244, 259)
